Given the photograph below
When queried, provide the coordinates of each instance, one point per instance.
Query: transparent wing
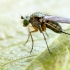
(57, 19)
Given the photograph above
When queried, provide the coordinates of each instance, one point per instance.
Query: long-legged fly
(39, 23)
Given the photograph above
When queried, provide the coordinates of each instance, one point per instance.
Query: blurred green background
(16, 56)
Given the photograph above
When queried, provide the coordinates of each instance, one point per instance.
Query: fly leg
(35, 30)
(43, 26)
(45, 39)
(28, 37)
(46, 33)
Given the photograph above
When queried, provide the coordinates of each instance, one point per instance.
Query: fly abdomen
(54, 26)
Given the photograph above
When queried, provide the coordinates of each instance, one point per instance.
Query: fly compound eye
(25, 22)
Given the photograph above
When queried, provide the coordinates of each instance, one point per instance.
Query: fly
(38, 22)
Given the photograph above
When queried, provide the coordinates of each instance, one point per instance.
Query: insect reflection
(39, 23)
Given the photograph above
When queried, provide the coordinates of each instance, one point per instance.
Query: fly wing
(57, 19)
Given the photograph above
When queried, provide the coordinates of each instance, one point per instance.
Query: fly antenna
(21, 16)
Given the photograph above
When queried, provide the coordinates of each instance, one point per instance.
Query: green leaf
(58, 60)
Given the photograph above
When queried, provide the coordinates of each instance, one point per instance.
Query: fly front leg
(28, 36)
(27, 39)
(35, 30)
